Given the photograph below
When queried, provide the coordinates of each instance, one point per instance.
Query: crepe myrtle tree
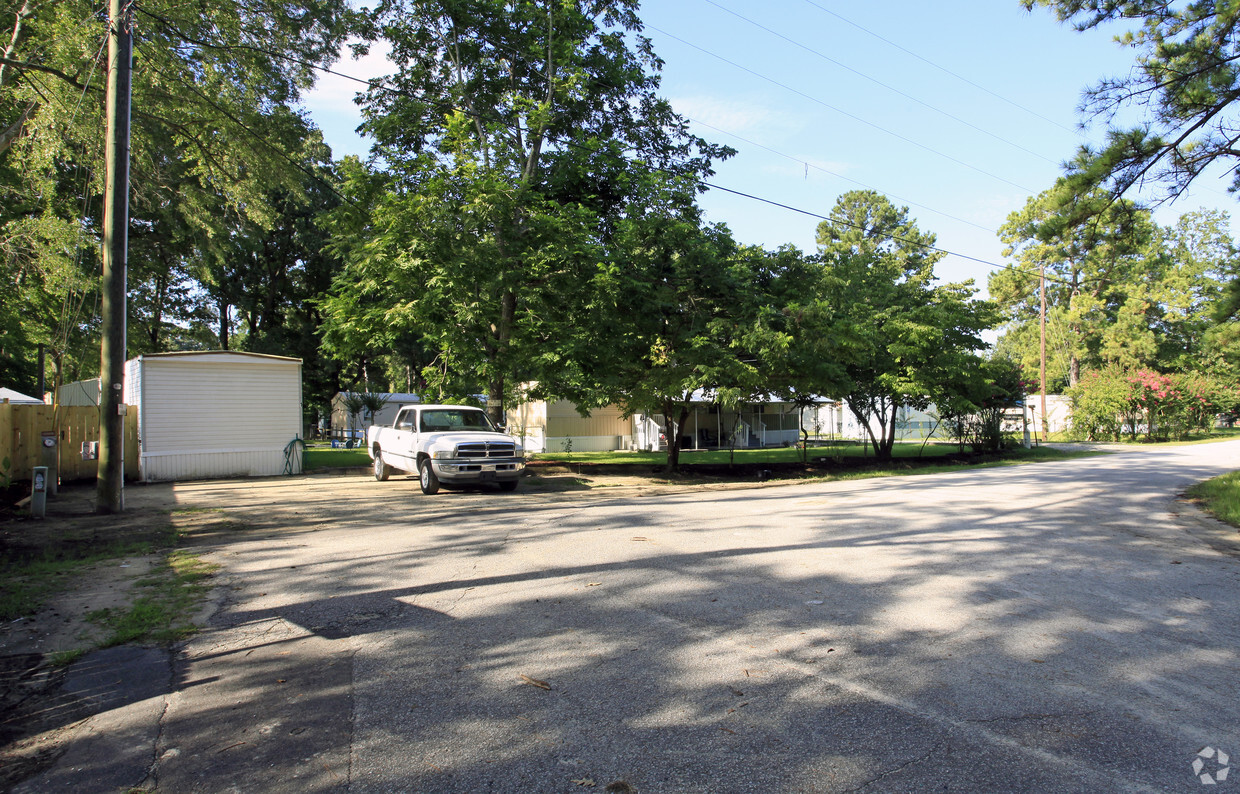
(909, 335)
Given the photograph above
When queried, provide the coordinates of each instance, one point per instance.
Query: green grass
(166, 598)
(164, 611)
(770, 455)
(905, 461)
(1220, 497)
(327, 458)
(66, 658)
(1216, 435)
(1012, 457)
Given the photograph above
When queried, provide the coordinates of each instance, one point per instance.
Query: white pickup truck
(452, 445)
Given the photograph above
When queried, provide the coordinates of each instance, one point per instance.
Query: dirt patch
(84, 563)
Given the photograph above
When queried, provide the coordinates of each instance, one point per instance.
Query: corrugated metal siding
(217, 416)
(532, 439)
(208, 465)
(532, 416)
(582, 443)
(563, 420)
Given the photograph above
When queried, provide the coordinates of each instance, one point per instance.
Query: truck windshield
(443, 420)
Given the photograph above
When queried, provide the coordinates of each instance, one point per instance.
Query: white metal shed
(215, 414)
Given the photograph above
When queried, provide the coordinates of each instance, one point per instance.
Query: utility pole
(1042, 373)
(110, 490)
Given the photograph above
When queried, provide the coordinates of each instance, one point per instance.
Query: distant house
(557, 426)
(215, 414)
(1058, 412)
(343, 424)
(9, 396)
(765, 423)
(79, 392)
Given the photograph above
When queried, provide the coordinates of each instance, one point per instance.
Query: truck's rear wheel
(427, 477)
(382, 470)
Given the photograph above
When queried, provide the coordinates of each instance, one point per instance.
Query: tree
(515, 133)
(910, 336)
(211, 108)
(1200, 263)
(1184, 81)
(1092, 250)
(677, 307)
(975, 404)
(373, 403)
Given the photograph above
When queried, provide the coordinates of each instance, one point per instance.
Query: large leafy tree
(1184, 84)
(1197, 264)
(911, 336)
(677, 306)
(513, 133)
(1093, 251)
(211, 108)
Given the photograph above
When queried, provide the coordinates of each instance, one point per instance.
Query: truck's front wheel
(382, 470)
(427, 477)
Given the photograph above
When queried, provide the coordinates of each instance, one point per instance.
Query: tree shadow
(1009, 629)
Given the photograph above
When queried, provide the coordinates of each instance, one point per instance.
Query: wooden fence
(22, 428)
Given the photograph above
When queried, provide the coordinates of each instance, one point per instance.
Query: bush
(1110, 402)
(1099, 401)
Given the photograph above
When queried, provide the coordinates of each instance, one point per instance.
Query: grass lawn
(1220, 497)
(746, 456)
(1218, 434)
(848, 454)
(328, 458)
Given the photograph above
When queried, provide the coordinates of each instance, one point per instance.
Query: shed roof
(216, 354)
(17, 397)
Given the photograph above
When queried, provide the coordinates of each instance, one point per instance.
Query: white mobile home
(709, 425)
(556, 426)
(215, 414)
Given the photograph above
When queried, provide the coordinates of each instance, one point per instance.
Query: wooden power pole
(110, 491)
(1042, 372)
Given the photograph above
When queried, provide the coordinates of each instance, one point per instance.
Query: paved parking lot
(1051, 627)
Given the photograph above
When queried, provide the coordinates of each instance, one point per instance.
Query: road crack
(919, 759)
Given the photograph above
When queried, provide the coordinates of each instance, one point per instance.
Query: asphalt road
(1051, 627)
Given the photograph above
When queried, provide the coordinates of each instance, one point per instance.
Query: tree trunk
(673, 434)
(495, 400)
(157, 313)
(1074, 370)
(225, 308)
(863, 419)
(889, 435)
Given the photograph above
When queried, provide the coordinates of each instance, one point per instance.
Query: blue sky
(960, 111)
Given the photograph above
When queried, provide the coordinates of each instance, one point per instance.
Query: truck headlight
(441, 454)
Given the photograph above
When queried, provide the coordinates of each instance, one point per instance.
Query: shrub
(1100, 400)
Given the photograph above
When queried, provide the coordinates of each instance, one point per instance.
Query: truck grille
(489, 449)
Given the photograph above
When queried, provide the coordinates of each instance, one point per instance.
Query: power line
(841, 222)
(859, 183)
(382, 85)
(841, 111)
(878, 82)
(943, 69)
